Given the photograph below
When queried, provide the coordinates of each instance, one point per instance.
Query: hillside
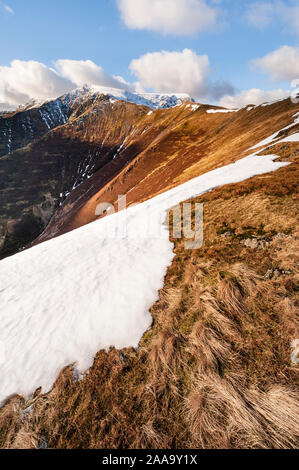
(125, 340)
(47, 150)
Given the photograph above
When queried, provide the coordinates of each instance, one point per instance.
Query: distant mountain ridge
(37, 117)
(152, 100)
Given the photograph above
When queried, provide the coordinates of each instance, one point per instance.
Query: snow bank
(274, 138)
(64, 300)
(193, 107)
(290, 138)
(215, 111)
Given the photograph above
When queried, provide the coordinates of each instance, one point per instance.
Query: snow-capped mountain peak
(32, 104)
(152, 100)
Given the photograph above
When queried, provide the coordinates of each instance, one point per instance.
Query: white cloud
(262, 14)
(81, 72)
(176, 17)
(8, 9)
(291, 16)
(182, 72)
(281, 65)
(179, 72)
(24, 80)
(254, 96)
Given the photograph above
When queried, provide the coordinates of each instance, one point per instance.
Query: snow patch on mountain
(215, 111)
(32, 104)
(54, 113)
(275, 138)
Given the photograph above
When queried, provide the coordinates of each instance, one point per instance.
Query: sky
(226, 52)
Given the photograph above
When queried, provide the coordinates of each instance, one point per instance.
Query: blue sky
(98, 30)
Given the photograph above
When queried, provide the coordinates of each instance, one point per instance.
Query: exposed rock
(255, 243)
(227, 234)
(276, 272)
(45, 209)
(281, 235)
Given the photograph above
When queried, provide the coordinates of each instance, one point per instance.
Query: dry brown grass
(215, 369)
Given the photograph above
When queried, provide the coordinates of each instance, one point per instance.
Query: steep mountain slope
(34, 119)
(173, 146)
(48, 150)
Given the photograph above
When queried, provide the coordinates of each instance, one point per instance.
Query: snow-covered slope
(157, 101)
(215, 111)
(64, 300)
(275, 138)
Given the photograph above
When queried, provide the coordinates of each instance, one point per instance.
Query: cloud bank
(162, 72)
(280, 65)
(263, 14)
(175, 17)
(24, 80)
(253, 96)
(165, 72)
(81, 72)
(179, 72)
